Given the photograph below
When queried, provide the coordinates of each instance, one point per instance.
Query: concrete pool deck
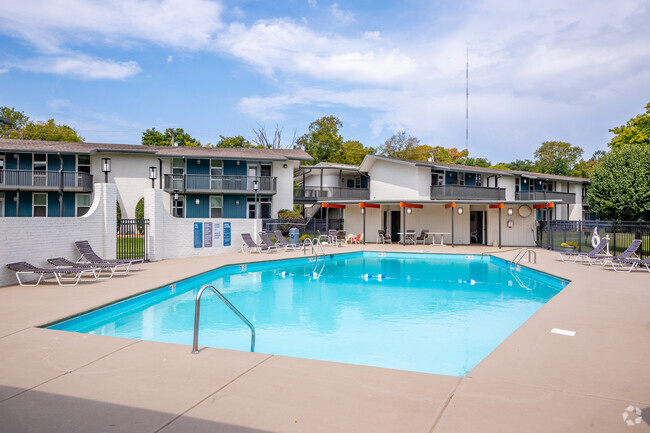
(535, 381)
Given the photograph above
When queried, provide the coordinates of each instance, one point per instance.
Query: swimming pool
(433, 313)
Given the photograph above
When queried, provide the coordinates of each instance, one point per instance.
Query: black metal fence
(132, 236)
(552, 234)
(310, 227)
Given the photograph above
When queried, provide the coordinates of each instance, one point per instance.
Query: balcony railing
(467, 192)
(316, 193)
(565, 197)
(208, 183)
(35, 180)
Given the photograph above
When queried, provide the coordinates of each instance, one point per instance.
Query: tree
(353, 152)
(585, 168)
(556, 157)
(402, 145)
(521, 165)
(21, 127)
(636, 131)
(151, 137)
(237, 142)
(474, 162)
(323, 141)
(262, 139)
(620, 185)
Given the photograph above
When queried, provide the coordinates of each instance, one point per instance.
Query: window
(83, 204)
(39, 204)
(461, 178)
(357, 182)
(264, 205)
(178, 170)
(215, 167)
(479, 181)
(2, 167)
(216, 206)
(177, 206)
(40, 169)
(83, 163)
(437, 178)
(517, 184)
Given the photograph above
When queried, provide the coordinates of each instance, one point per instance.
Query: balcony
(205, 183)
(564, 197)
(41, 180)
(463, 192)
(311, 194)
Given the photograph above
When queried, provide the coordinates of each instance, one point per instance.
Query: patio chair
(62, 262)
(573, 256)
(629, 253)
(252, 246)
(283, 242)
(383, 238)
(410, 236)
(627, 265)
(266, 242)
(90, 256)
(60, 274)
(423, 237)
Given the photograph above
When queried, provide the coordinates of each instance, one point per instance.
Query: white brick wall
(171, 238)
(35, 240)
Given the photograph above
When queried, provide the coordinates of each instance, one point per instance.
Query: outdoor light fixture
(237, 162)
(175, 196)
(198, 162)
(460, 211)
(236, 202)
(256, 186)
(106, 168)
(509, 211)
(409, 210)
(153, 175)
(363, 211)
(284, 166)
(198, 201)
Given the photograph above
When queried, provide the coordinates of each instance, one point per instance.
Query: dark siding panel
(230, 208)
(364, 182)
(53, 204)
(68, 204)
(470, 179)
(69, 163)
(202, 210)
(193, 167)
(25, 205)
(10, 204)
(11, 161)
(53, 163)
(26, 161)
(230, 168)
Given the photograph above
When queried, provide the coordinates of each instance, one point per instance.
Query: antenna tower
(467, 101)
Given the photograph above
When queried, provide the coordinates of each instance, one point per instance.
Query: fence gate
(132, 235)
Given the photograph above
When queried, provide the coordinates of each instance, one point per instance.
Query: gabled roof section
(331, 166)
(368, 162)
(161, 151)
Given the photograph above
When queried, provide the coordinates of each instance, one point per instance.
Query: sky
(538, 71)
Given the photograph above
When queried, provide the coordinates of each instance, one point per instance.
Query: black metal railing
(467, 192)
(565, 197)
(313, 193)
(552, 234)
(209, 183)
(311, 227)
(47, 180)
(132, 239)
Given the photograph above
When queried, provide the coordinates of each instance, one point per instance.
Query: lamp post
(153, 175)
(106, 168)
(256, 186)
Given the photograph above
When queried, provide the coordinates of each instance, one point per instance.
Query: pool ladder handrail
(313, 243)
(520, 255)
(197, 310)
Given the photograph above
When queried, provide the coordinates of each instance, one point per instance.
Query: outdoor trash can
(294, 236)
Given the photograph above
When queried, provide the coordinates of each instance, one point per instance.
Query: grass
(623, 240)
(130, 246)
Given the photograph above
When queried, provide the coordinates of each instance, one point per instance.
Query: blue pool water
(430, 313)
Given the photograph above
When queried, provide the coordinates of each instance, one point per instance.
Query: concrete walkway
(535, 381)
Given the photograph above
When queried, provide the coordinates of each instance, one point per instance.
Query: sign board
(226, 234)
(218, 238)
(198, 235)
(207, 235)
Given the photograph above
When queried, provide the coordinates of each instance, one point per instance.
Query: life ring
(595, 239)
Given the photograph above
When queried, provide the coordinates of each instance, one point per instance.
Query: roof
(473, 169)
(161, 151)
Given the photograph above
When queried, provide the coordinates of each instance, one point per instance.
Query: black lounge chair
(90, 256)
(381, 237)
(423, 236)
(266, 242)
(629, 253)
(60, 274)
(62, 262)
(283, 242)
(573, 256)
(252, 246)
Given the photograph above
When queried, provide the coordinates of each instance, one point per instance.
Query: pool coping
(534, 380)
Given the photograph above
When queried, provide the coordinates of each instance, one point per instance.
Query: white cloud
(342, 17)
(311, 3)
(170, 59)
(80, 66)
(50, 25)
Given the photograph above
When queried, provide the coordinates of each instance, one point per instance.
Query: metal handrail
(197, 310)
(313, 243)
(520, 255)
